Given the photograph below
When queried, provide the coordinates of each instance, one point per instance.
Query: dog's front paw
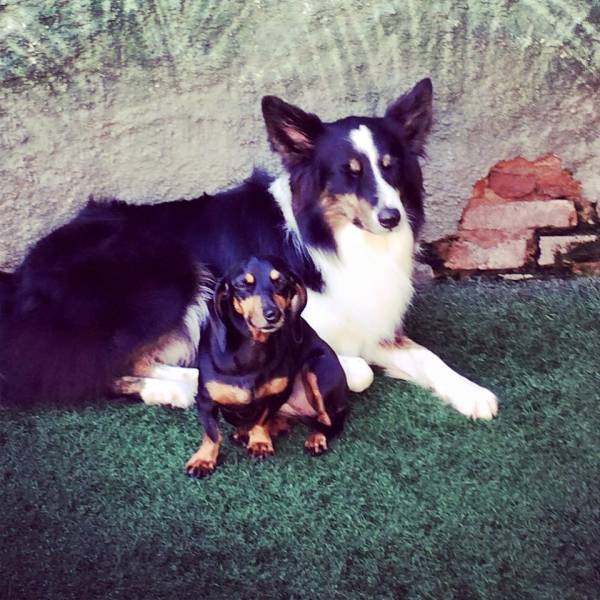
(359, 375)
(260, 450)
(316, 443)
(473, 401)
(200, 467)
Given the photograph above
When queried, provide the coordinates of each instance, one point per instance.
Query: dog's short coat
(120, 290)
(255, 353)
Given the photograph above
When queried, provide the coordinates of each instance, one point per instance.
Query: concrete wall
(153, 100)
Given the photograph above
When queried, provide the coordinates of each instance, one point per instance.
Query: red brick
(487, 250)
(484, 197)
(544, 165)
(515, 166)
(552, 246)
(512, 178)
(521, 215)
(558, 185)
(512, 185)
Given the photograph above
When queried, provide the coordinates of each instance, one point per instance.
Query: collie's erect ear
(291, 131)
(413, 113)
(221, 300)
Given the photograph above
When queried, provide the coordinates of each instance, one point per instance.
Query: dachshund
(260, 363)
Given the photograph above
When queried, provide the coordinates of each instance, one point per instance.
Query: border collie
(121, 290)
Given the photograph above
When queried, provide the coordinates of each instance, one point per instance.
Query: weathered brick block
(512, 185)
(521, 215)
(552, 246)
(543, 178)
(487, 250)
(509, 207)
(558, 185)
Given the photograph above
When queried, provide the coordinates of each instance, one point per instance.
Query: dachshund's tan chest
(233, 395)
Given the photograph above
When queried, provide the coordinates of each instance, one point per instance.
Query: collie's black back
(118, 277)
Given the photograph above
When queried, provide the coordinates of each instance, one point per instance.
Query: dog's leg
(405, 359)
(204, 461)
(326, 392)
(187, 375)
(359, 374)
(260, 444)
(157, 391)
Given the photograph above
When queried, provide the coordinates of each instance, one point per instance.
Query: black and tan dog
(260, 363)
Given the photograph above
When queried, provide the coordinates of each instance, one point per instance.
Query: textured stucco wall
(159, 99)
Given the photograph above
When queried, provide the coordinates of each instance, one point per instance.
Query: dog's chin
(265, 329)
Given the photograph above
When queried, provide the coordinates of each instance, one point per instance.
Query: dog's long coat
(119, 290)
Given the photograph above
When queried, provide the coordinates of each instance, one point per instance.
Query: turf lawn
(414, 501)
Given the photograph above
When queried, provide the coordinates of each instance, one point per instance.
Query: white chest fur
(367, 288)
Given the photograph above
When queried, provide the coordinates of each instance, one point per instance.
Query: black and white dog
(115, 299)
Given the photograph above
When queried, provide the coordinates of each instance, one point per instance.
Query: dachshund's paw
(316, 443)
(260, 450)
(200, 467)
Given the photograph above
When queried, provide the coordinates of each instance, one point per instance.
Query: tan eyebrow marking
(354, 165)
(274, 274)
(249, 278)
(386, 161)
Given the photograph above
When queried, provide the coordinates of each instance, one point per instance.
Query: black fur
(316, 155)
(118, 276)
(230, 354)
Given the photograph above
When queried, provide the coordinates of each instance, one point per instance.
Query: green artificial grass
(413, 501)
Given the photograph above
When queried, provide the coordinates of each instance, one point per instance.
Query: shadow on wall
(154, 101)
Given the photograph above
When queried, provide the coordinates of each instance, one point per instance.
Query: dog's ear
(297, 304)
(292, 132)
(221, 301)
(412, 112)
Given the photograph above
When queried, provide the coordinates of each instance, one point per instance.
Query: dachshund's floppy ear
(297, 304)
(221, 300)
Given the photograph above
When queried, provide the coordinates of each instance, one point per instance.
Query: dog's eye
(353, 167)
(279, 284)
(387, 162)
(246, 282)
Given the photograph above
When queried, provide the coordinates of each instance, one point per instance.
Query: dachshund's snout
(272, 315)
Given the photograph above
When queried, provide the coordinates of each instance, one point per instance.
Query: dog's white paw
(190, 376)
(187, 375)
(167, 393)
(359, 374)
(472, 400)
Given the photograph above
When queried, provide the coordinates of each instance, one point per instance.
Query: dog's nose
(272, 315)
(389, 217)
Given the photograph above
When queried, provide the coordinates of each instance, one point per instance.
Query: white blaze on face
(387, 197)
